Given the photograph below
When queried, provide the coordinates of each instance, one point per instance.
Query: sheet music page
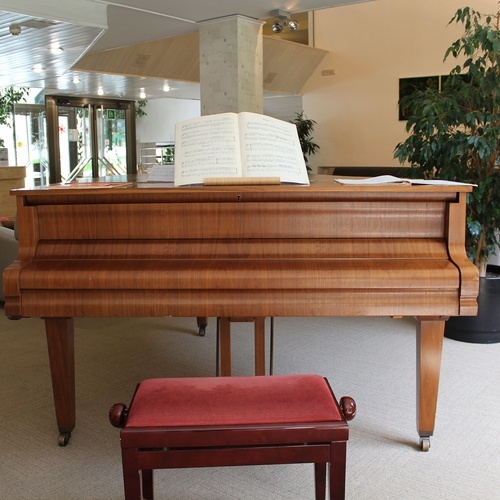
(373, 181)
(390, 179)
(271, 148)
(207, 147)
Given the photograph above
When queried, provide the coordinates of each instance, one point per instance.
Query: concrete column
(231, 65)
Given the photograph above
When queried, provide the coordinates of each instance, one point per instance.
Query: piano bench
(233, 421)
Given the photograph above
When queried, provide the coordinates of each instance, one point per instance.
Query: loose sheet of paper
(373, 181)
(161, 173)
(390, 179)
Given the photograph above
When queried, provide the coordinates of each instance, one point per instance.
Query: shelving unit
(151, 154)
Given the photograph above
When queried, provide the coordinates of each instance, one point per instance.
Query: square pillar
(231, 69)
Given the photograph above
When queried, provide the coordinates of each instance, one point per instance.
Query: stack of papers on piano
(390, 179)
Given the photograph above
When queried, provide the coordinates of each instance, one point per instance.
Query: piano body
(320, 250)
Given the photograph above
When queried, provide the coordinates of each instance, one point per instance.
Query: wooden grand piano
(320, 250)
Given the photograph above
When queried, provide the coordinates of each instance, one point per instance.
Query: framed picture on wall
(409, 85)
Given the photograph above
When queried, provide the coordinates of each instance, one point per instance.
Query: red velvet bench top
(223, 401)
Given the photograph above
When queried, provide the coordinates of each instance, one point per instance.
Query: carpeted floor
(370, 359)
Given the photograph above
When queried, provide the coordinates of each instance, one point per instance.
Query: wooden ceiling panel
(287, 65)
(172, 58)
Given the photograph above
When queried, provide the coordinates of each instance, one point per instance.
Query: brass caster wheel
(425, 443)
(202, 331)
(63, 439)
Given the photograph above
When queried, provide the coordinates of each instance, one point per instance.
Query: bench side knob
(118, 415)
(348, 407)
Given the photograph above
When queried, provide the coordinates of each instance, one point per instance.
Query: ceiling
(81, 27)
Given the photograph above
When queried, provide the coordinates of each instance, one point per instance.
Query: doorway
(89, 138)
(29, 142)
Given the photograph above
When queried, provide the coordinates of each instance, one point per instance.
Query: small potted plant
(305, 129)
(454, 134)
(9, 96)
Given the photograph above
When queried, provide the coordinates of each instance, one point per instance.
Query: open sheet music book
(237, 145)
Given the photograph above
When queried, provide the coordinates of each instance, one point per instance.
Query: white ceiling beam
(80, 12)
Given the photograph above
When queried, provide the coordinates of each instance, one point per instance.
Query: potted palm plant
(305, 129)
(454, 134)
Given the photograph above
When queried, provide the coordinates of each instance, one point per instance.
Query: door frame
(52, 104)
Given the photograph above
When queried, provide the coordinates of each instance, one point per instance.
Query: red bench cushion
(172, 402)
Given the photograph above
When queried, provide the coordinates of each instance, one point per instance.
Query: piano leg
(430, 334)
(60, 342)
(224, 343)
(260, 345)
(224, 339)
(202, 323)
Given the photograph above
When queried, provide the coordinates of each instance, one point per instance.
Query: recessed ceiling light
(76, 79)
(166, 87)
(38, 68)
(100, 91)
(55, 49)
(142, 95)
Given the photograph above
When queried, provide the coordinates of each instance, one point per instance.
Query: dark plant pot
(485, 327)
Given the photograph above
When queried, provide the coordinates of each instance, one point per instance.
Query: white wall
(162, 115)
(372, 45)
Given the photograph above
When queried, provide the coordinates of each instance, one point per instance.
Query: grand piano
(138, 250)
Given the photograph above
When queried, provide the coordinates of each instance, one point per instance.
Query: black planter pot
(485, 327)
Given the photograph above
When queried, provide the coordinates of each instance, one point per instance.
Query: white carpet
(370, 359)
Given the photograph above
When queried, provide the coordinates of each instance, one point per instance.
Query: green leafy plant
(9, 96)
(168, 156)
(305, 129)
(454, 132)
(140, 107)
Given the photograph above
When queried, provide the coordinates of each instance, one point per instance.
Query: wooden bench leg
(147, 484)
(337, 470)
(131, 474)
(320, 480)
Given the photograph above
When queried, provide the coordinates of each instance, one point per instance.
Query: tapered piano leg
(430, 334)
(225, 346)
(260, 345)
(60, 342)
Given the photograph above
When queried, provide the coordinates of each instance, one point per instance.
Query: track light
(277, 27)
(283, 21)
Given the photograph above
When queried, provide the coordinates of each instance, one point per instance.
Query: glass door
(90, 138)
(111, 141)
(75, 142)
(30, 142)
